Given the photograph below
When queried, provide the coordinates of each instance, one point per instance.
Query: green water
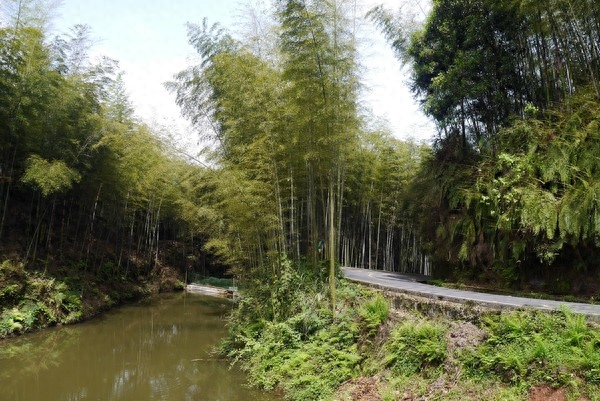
(156, 350)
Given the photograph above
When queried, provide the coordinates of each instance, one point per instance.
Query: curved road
(409, 284)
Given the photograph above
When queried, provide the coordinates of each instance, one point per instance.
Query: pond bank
(31, 300)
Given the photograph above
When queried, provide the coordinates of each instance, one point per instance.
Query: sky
(149, 39)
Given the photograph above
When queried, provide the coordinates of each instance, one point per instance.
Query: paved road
(409, 284)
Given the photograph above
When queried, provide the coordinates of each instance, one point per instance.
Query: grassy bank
(31, 299)
(286, 337)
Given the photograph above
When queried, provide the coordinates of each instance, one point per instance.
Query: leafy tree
(477, 64)
(505, 83)
(81, 181)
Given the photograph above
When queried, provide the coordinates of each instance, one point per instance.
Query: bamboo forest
(298, 177)
(507, 190)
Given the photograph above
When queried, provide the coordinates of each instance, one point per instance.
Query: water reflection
(35, 354)
(158, 350)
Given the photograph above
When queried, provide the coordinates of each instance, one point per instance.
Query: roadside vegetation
(508, 197)
(286, 337)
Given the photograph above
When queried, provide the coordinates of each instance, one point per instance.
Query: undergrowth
(30, 300)
(560, 349)
(415, 347)
(285, 336)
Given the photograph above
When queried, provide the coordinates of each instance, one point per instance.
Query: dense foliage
(509, 192)
(303, 174)
(48, 301)
(90, 198)
(286, 337)
(300, 179)
(299, 171)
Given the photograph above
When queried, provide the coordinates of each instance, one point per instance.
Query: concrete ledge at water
(210, 290)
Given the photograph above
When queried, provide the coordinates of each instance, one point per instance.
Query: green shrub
(285, 335)
(344, 332)
(10, 293)
(13, 283)
(375, 312)
(537, 347)
(11, 322)
(415, 346)
(318, 368)
(26, 317)
(36, 302)
(265, 355)
(308, 322)
(576, 330)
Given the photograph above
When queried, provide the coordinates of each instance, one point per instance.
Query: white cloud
(151, 47)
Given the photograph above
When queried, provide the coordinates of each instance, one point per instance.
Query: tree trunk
(331, 246)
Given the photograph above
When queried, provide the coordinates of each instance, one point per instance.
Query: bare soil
(546, 393)
(464, 335)
(360, 389)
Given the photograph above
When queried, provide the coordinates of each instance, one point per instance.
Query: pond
(158, 349)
